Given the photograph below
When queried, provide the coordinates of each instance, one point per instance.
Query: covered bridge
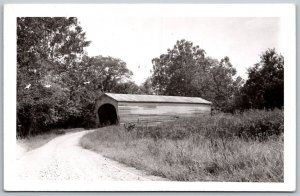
(149, 109)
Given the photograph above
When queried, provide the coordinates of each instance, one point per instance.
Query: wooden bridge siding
(158, 112)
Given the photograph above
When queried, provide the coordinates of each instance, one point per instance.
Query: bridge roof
(156, 98)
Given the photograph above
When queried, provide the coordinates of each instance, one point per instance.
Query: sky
(137, 40)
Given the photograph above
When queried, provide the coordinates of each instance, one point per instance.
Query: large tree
(104, 73)
(172, 71)
(46, 48)
(186, 71)
(58, 39)
(92, 77)
(265, 85)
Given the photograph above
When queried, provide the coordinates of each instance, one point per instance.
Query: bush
(260, 124)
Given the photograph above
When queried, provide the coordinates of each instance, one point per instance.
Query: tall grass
(236, 148)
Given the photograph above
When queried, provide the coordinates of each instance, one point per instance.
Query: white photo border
(286, 12)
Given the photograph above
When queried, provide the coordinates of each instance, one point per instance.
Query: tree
(265, 85)
(104, 73)
(172, 71)
(46, 48)
(186, 71)
(146, 87)
(127, 88)
(225, 84)
(92, 77)
(57, 83)
(58, 40)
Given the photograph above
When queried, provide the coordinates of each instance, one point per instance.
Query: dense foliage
(57, 83)
(265, 85)
(186, 71)
(47, 48)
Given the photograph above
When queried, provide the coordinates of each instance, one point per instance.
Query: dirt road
(63, 159)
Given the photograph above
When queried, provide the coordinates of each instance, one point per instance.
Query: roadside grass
(199, 149)
(32, 142)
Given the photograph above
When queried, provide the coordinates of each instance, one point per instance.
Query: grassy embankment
(36, 141)
(223, 147)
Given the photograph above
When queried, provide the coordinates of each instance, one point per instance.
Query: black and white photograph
(149, 97)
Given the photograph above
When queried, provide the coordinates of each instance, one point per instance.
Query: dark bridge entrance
(107, 115)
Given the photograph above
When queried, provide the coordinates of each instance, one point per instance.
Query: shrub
(260, 124)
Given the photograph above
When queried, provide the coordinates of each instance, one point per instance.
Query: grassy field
(244, 147)
(36, 141)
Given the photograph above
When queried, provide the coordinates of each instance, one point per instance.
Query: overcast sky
(138, 40)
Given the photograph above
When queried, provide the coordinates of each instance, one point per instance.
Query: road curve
(63, 159)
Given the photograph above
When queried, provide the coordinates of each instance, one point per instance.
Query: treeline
(57, 82)
(186, 71)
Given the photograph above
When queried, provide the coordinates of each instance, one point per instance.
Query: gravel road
(63, 159)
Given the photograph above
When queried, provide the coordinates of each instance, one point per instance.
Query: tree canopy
(46, 48)
(186, 71)
(57, 83)
(265, 85)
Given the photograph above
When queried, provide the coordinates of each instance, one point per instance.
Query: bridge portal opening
(107, 115)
